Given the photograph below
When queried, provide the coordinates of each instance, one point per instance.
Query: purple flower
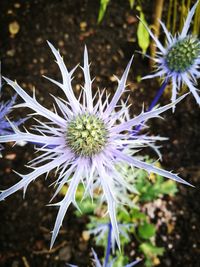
(179, 60)
(101, 231)
(5, 109)
(110, 264)
(85, 143)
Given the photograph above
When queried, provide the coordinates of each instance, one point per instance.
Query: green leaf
(137, 215)
(120, 260)
(168, 187)
(131, 2)
(63, 190)
(123, 215)
(150, 250)
(102, 9)
(148, 263)
(150, 190)
(146, 230)
(142, 33)
(86, 207)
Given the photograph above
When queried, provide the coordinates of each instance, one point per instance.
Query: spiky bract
(179, 60)
(76, 163)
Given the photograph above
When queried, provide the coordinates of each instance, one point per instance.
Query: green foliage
(121, 260)
(131, 2)
(132, 221)
(146, 230)
(196, 26)
(86, 206)
(96, 222)
(142, 33)
(151, 252)
(102, 9)
(175, 20)
(151, 190)
(133, 215)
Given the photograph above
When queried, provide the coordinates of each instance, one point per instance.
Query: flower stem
(153, 103)
(108, 245)
(158, 95)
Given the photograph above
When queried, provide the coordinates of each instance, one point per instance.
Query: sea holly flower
(102, 229)
(111, 263)
(97, 262)
(85, 142)
(179, 59)
(5, 109)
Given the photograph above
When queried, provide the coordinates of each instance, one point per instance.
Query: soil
(26, 223)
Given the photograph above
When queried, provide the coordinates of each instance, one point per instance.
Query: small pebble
(14, 28)
(10, 52)
(85, 235)
(83, 25)
(170, 246)
(10, 156)
(17, 5)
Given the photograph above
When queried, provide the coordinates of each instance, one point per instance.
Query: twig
(53, 250)
(26, 264)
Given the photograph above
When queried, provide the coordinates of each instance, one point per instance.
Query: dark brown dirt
(26, 224)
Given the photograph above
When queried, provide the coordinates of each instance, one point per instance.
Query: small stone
(66, 36)
(78, 87)
(10, 52)
(9, 12)
(83, 25)
(10, 156)
(61, 43)
(85, 235)
(39, 41)
(42, 60)
(17, 5)
(43, 71)
(170, 246)
(112, 78)
(14, 27)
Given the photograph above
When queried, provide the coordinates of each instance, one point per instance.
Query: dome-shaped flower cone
(179, 60)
